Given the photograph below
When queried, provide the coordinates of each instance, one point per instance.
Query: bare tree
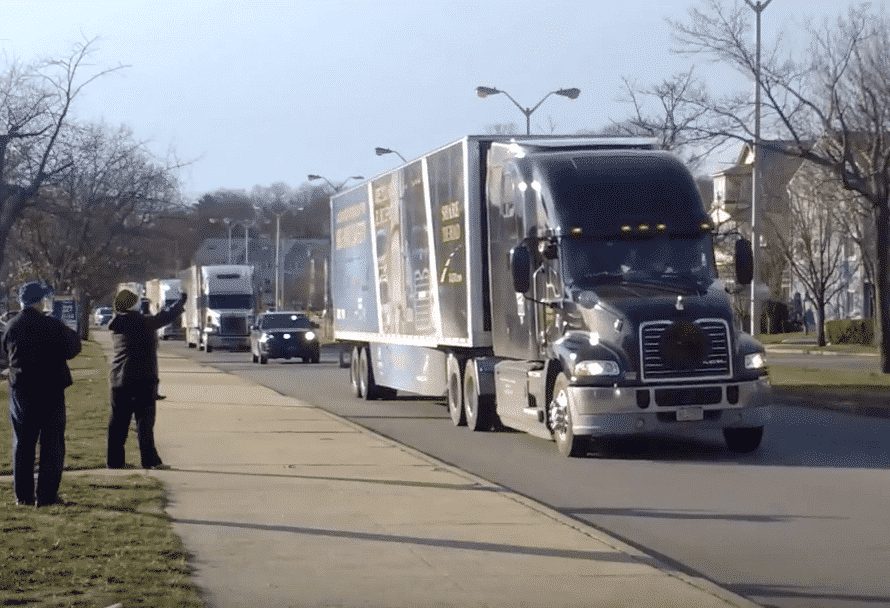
(812, 241)
(669, 111)
(96, 224)
(502, 128)
(35, 103)
(830, 108)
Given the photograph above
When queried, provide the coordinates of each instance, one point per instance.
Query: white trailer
(162, 293)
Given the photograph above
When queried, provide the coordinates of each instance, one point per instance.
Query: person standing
(36, 348)
(134, 377)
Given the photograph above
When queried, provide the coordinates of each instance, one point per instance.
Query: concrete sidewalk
(283, 504)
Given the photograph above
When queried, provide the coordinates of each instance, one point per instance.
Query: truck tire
(455, 394)
(253, 357)
(354, 374)
(743, 440)
(264, 360)
(478, 410)
(366, 375)
(345, 357)
(208, 348)
(559, 416)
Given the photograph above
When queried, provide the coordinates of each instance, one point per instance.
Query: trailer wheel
(345, 357)
(355, 373)
(559, 416)
(478, 409)
(366, 376)
(455, 392)
(743, 440)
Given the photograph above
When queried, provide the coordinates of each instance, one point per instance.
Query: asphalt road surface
(804, 522)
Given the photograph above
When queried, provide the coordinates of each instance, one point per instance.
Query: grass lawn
(787, 375)
(794, 338)
(111, 541)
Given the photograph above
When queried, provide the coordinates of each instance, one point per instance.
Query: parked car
(102, 315)
(284, 335)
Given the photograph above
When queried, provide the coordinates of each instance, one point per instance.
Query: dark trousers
(126, 403)
(37, 415)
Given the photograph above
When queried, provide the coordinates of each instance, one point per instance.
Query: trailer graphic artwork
(403, 252)
(446, 176)
(353, 285)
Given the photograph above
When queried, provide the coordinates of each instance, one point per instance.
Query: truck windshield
(668, 259)
(285, 321)
(230, 300)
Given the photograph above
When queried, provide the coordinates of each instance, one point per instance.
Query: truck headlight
(310, 336)
(210, 329)
(264, 337)
(755, 361)
(597, 368)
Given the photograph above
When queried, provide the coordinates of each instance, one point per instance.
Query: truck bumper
(228, 342)
(600, 411)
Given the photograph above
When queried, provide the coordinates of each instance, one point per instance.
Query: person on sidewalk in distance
(134, 376)
(36, 347)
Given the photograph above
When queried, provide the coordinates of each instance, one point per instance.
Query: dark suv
(283, 335)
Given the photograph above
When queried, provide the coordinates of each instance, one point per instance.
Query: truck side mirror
(521, 266)
(744, 262)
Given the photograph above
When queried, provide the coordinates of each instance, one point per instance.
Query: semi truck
(220, 308)
(565, 287)
(162, 293)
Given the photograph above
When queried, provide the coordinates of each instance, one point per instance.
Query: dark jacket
(135, 340)
(35, 348)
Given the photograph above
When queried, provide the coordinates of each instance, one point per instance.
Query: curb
(822, 353)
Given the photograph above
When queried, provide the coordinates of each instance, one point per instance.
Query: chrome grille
(716, 365)
(233, 326)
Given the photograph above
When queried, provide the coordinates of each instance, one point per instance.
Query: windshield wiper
(666, 279)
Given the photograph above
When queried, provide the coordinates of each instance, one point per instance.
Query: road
(838, 361)
(804, 522)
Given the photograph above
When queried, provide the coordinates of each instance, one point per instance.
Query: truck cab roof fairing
(601, 191)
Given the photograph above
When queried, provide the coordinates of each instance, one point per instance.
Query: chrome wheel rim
(559, 415)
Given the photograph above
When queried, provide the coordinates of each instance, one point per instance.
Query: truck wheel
(366, 376)
(743, 440)
(354, 373)
(345, 357)
(560, 418)
(264, 360)
(316, 356)
(479, 410)
(208, 348)
(456, 392)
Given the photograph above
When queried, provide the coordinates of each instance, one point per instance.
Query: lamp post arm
(543, 99)
(522, 108)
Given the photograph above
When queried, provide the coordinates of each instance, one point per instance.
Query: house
(731, 209)
(784, 177)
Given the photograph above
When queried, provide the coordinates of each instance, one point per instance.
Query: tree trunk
(820, 322)
(882, 293)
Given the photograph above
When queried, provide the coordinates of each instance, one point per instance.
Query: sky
(269, 91)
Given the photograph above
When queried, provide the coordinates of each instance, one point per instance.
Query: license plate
(690, 413)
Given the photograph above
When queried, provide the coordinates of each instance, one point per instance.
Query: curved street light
(571, 93)
(382, 151)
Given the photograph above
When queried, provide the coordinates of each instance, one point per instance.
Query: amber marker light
(576, 232)
(625, 229)
(643, 227)
(661, 227)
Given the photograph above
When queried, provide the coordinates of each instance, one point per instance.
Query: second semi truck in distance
(565, 287)
(220, 308)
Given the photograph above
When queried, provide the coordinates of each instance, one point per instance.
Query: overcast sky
(264, 91)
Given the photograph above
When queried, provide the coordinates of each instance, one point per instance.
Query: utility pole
(758, 7)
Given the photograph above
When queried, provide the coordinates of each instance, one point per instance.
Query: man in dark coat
(35, 347)
(134, 376)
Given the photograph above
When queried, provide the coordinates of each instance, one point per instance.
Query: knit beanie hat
(33, 292)
(125, 300)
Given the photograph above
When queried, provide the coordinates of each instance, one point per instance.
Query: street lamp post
(313, 177)
(382, 151)
(758, 7)
(571, 93)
